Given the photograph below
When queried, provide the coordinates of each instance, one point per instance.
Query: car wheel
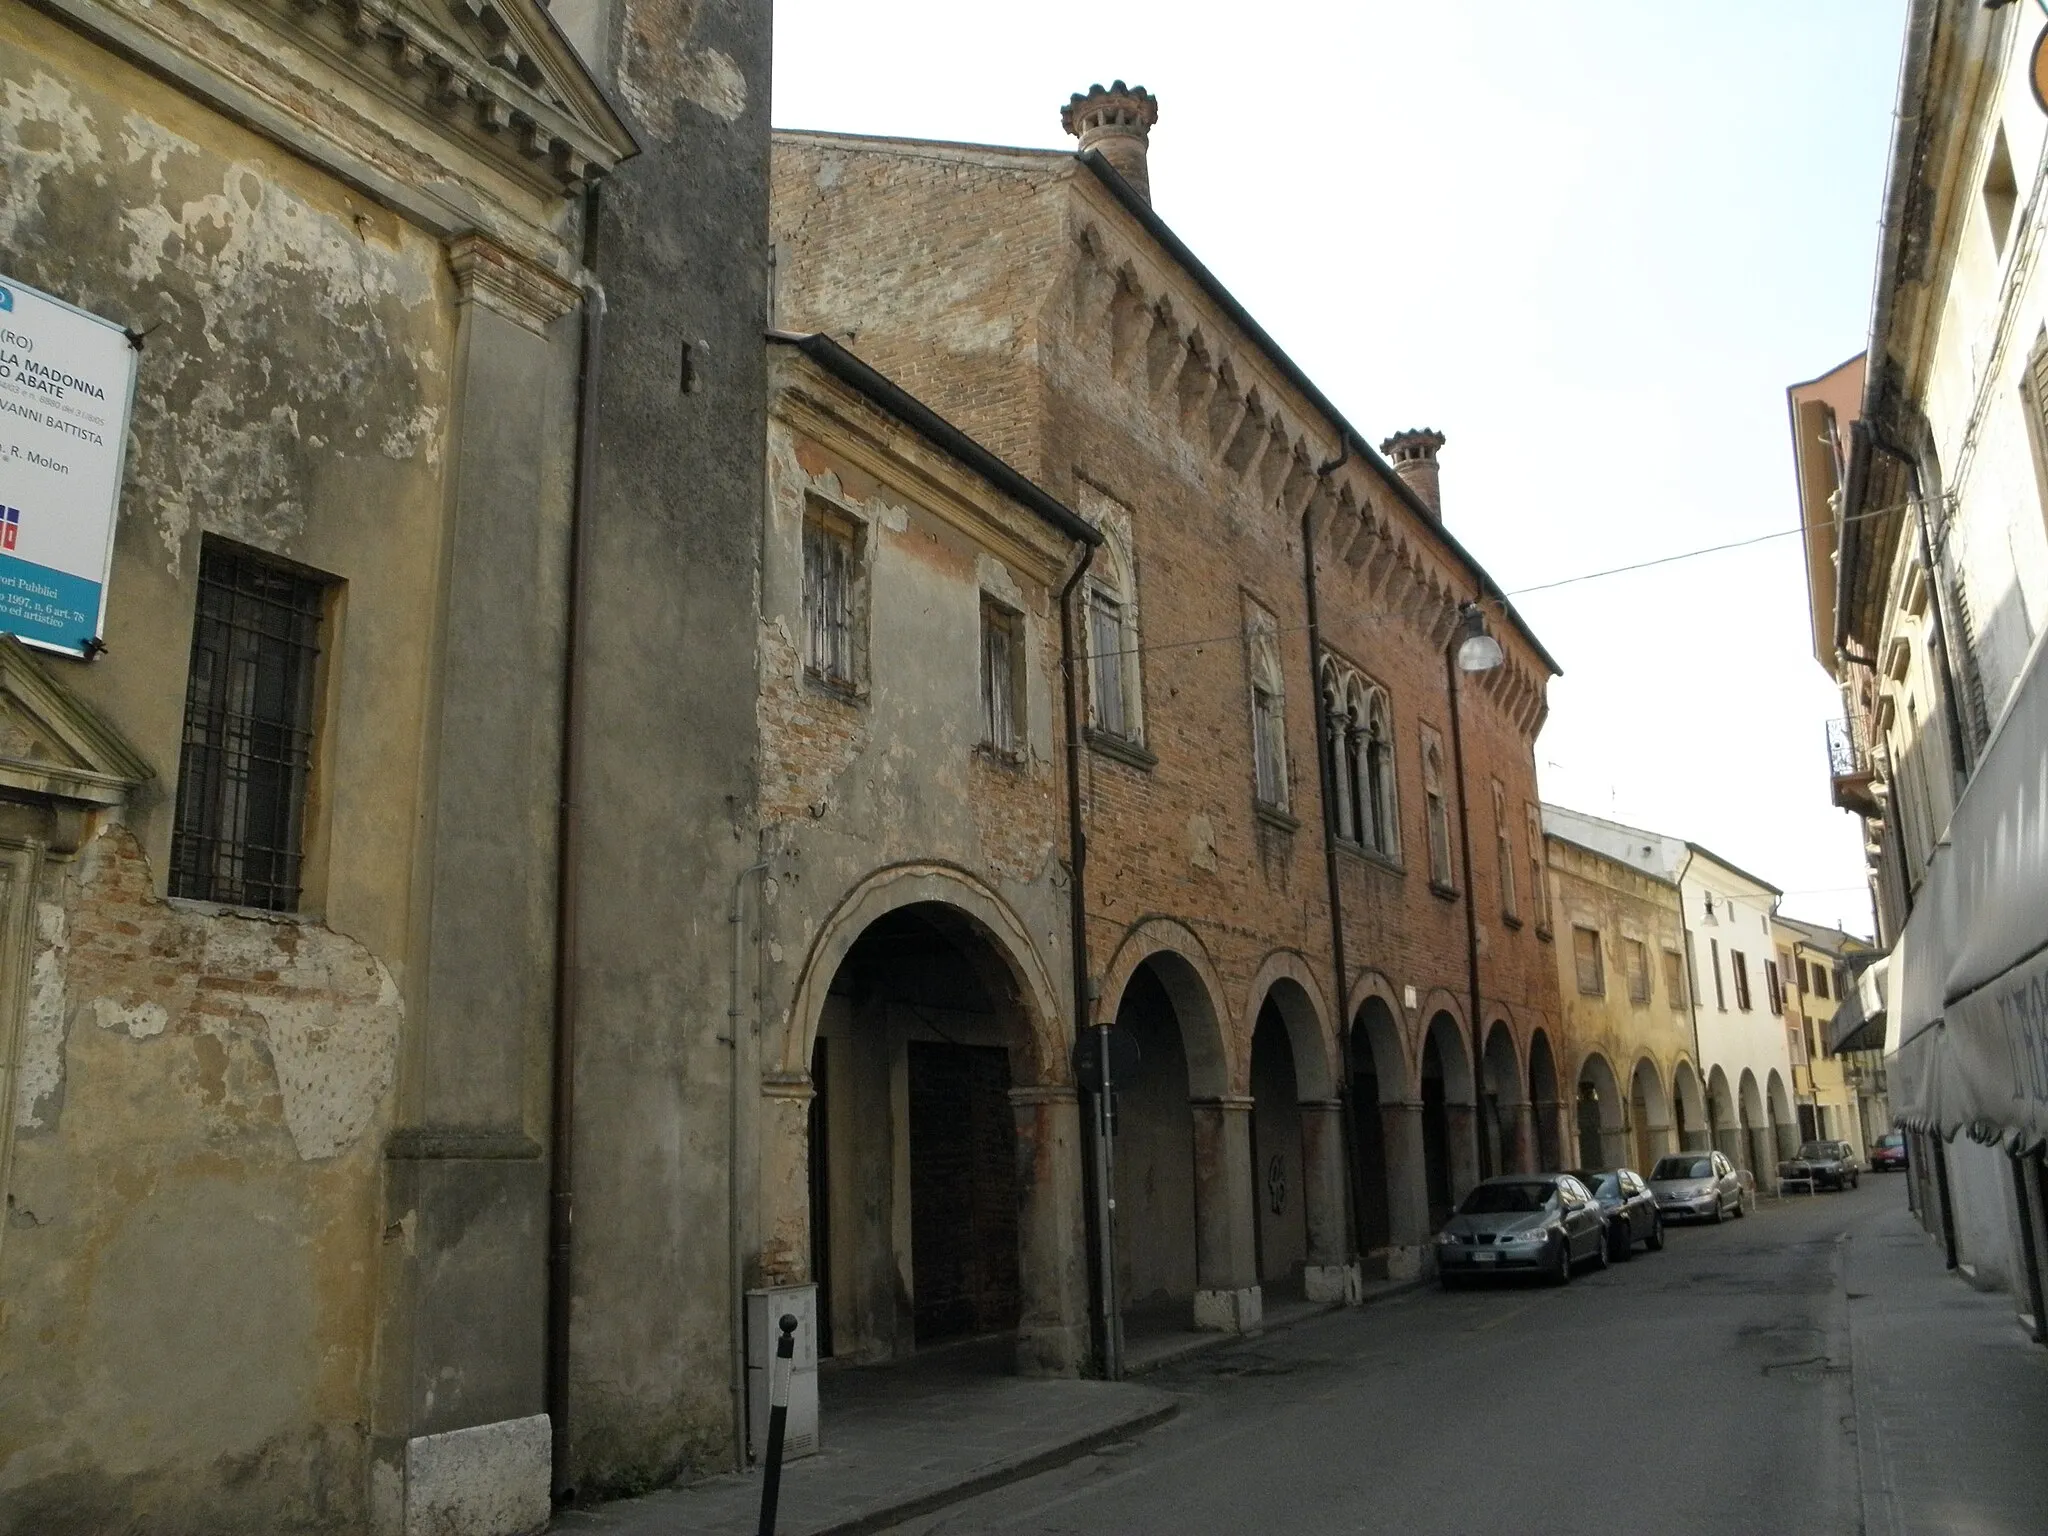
(1622, 1241)
(1720, 1210)
(1741, 1205)
(1654, 1243)
(1599, 1260)
(1561, 1273)
(1449, 1281)
(1855, 1181)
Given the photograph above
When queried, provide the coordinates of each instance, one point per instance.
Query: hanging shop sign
(67, 384)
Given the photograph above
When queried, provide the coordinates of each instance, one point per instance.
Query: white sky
(1589, 242)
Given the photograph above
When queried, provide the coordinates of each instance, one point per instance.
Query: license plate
(1486, 1256)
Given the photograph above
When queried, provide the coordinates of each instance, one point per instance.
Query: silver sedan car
(1541, 1223)
(1701, 1186)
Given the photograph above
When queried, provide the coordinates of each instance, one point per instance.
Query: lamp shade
(1479, 653)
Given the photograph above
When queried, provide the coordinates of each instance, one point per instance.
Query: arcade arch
(1649, 1115)
(1544, 1099)
(1689, 1109)
(1602, 1122)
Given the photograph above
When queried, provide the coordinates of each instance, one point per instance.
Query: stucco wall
(204, 1094)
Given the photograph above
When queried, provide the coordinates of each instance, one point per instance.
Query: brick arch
(942, 885)
(1306, 1015)
(1191, 980)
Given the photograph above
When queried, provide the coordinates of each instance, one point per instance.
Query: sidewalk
(898, 1442)
(1951, 1395)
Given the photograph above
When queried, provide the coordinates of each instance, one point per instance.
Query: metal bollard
(778, 1421)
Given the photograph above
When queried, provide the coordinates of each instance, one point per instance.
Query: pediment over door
(55, 746)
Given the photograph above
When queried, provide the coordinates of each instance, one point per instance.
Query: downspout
(1102, 1187)
(1692, 994)
(1332, 869)
(736, 1308)
(568, 864)
(1478, 1025)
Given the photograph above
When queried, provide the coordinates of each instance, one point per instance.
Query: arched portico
(1186, 1244)
(1723, 1125)
(1689, 1109)
(923, 1167)
(1546, 1102)
(1392, 1210)
(1504, 1117)
(1755, 1142)
(1297, 1138)
(1445, 1088)
(1784, 1124)
(1602, 1119)
(1649, 1114)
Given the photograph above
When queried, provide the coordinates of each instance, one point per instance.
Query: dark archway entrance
(1549, 1110)
(914, 1171)
(1279, 1179)
(1155, 1158)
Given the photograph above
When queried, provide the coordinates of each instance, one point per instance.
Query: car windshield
(1683, 1168)
(1821, 1149)
(1893, 1139)
(1603, 1185)
(1506, 1199)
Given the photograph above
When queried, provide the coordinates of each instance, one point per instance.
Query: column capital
(1239, 1103)
(787, 1085)
(515, 286)
(1322, 1106)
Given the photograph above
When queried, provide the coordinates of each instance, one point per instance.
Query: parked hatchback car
(1888, 1153)
(1828, 1164)
(1700, 1186)
(1543, 1223)
(1631, 1210)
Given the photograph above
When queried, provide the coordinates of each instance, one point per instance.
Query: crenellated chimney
(1118, 122)
(1413, 455)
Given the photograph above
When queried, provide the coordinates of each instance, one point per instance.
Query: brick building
(1263, 733)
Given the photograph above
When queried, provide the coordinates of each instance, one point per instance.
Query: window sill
(997, 757)
(1372, 856)
(1509, 920)
(1584, 993)
(850, 694)
(1544, 933)
(294, 916)
(1275, 816)
(1441, 891)
(1123, 751)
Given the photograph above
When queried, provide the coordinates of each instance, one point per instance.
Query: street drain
(1813, 1368)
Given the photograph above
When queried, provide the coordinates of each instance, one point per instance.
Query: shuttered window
(1586, 956)
(1674, 977)
(1739, 963)
(1001, 663)
(1637, 954)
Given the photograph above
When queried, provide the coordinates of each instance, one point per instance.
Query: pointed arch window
(1504, 845)
(1360, 751)
(1437, 811)
(1380, 811)
(1115, 700)
(1269, 717)
(1341, 726)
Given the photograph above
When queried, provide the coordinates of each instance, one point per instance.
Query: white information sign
(67, 383)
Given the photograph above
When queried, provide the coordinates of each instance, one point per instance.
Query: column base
(1053, 1350)
(1230, 1311)
(1405, 1262)
(489, 1480)
(1333, 1282)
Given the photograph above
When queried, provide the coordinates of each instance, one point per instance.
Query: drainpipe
(736, 916)
(1692, 997)
(568, 864)
(1471, 909)
(1102, 1186)
(1332, 869)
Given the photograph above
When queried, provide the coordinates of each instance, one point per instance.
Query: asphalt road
(1701, 1389)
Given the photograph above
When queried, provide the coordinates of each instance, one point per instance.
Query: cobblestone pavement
(1810, 1369)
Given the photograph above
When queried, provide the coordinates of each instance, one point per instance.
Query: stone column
(1227, 1295)
(1522, 1153)
(1332, 1272)
(1052, 1245)
(1407, 1190)
(1614, 1145)
(461, 1349)
(1462, 1123)
(1550, 1126)
(783, 1253)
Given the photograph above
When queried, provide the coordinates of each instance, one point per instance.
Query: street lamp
(1470, 650)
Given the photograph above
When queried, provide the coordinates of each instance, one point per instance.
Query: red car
(1888, 1153)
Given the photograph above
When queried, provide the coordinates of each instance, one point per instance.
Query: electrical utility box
(765, 1310)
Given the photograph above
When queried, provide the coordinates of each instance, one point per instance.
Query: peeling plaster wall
(188, 1277)
(189, 1263)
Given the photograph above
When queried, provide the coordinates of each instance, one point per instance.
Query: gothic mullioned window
(1115, 699)
(1360, 749)
(1436, 810)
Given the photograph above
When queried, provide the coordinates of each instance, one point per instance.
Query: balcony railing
(1852, 771)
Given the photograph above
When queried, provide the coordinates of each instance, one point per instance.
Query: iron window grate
(248, 742)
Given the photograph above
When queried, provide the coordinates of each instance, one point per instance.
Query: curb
(1197, 1344)
(1016, 1471)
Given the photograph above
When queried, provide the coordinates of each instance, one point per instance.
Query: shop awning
(1969, 976)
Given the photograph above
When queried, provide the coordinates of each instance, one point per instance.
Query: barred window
(1002, 729)
(830, 600)
(239, 826)
(1586, 956)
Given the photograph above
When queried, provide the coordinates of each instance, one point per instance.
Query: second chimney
(1413, 455)
(1117, 121)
